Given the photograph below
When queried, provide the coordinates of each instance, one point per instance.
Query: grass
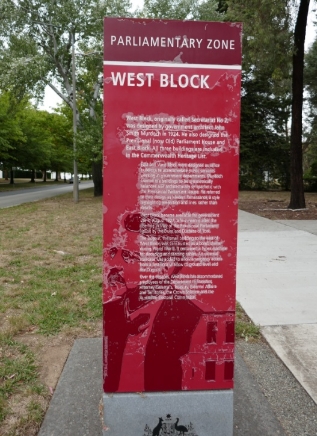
(50, 288)
(245, 328)
(17, 371)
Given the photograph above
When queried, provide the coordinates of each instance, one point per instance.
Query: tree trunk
(56, 176)
(297, 200)
(12, 176)
(44, 176)
(97, 178)
(32, 176)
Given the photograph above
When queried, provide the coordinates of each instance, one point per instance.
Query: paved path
(277, 287)
(20, 196)
(309, 226)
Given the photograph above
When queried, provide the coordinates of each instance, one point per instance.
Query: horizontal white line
(173, 65)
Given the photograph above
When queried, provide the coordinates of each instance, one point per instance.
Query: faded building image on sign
(171, 144)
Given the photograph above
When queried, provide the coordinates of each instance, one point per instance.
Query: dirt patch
(274, 205)
(22, 408)
(51, 355)
(52, 352)
(52, 364)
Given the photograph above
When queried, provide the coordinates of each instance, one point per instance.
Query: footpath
(277, 287)
(275, 380)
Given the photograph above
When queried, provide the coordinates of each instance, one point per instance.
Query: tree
(10, 130)
(88, 141)
(222, 6)
(182, 9)
(38, 36)
(61, 151)
(310, 80)
(34, 153)
(260, 18)
(172, 9)
(297, 200)
(267, 39)
(33, 139)
(266, 90)
(12, 135)
(264, 155)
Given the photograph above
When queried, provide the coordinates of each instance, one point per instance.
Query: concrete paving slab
(309, 226)
(277, 287)
(296, 345)
(276, 272)
(277, 300)
(74, 408)
(254, 223)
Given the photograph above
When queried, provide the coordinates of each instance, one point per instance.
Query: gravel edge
(292, 406)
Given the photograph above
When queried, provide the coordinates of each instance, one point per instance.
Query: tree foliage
(36, 50)
(33, 139)
(310, 78)
(34, 152)
(182, 9)
(266, 90)
(264, 156)
(10, 130)
(267, 37)
(61, 143)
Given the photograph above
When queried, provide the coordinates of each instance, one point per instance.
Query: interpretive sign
(171, 144)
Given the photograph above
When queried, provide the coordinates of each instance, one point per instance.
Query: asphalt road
(20, 196)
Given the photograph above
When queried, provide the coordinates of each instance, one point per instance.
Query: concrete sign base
(195, 413)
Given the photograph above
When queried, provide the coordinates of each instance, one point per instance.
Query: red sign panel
(171, 143)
